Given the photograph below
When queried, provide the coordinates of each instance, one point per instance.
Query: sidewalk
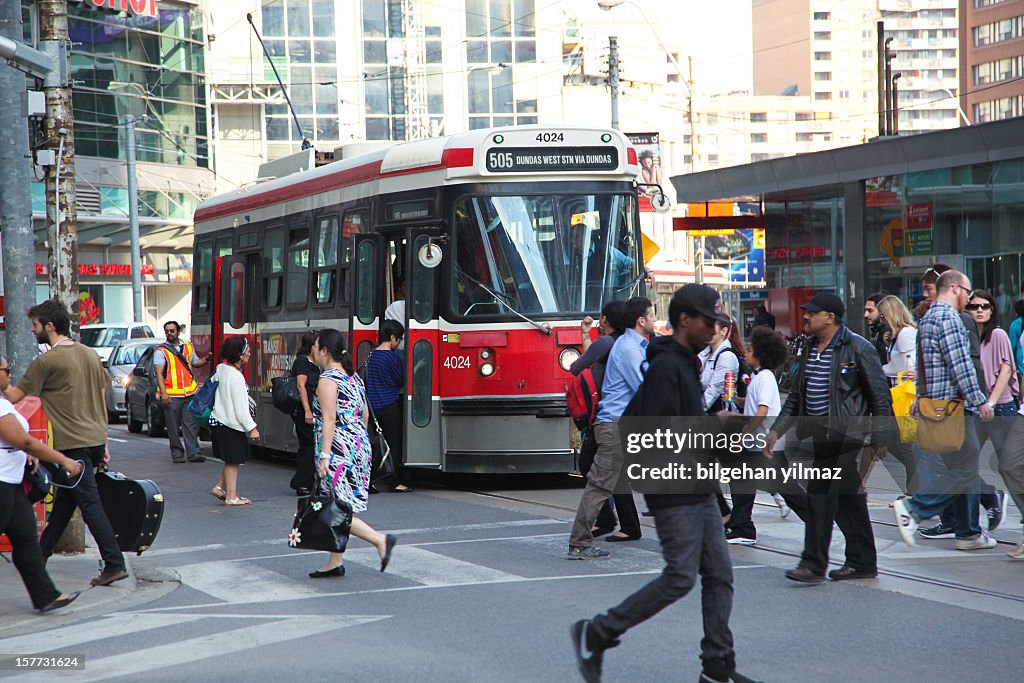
(69, 573)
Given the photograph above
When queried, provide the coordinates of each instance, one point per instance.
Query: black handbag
(36, 484)
(322, 522)
(284, 394)
(383, 463)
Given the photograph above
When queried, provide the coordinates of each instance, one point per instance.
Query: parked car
(122, 361)
(141, 403)
(104, 337)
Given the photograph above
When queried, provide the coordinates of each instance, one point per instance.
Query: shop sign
(102, 269)
(917, 216)
(918, 242)
(142, 8)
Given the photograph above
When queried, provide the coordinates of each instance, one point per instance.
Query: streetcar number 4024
(550, 137)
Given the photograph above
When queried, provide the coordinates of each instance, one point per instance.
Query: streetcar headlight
(486, 354)
(567, 357)
(487, 369)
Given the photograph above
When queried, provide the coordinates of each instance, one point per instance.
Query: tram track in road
(892, 573)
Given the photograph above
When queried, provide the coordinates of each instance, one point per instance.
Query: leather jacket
(857, 388)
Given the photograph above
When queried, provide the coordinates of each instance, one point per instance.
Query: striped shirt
(946, 356)
(817, 379)
(385, 378)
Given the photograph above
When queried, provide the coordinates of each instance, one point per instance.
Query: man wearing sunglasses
(992, 501)
(944, 358)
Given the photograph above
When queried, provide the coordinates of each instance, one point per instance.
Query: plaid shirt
(945, 353)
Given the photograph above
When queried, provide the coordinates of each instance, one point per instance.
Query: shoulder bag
(322, 522)
(940, 423)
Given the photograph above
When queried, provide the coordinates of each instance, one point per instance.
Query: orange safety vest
(178, 380)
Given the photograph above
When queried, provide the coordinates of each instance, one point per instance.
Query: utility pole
(613, 77)
(693, 127)
(61, 202)
(19, 275)
(882, 87)
(133, 218)
(889, 55)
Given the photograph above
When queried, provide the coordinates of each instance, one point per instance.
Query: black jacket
(857, 387)
(671, 388)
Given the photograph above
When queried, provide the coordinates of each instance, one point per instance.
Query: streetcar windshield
(544, 254)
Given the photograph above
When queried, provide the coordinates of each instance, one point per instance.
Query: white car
(104, 337)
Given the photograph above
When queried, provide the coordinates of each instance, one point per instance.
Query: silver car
(119, 365)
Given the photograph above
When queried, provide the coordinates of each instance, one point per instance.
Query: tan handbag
(940, 424)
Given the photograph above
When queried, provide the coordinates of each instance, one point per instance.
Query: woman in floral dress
(349, 447)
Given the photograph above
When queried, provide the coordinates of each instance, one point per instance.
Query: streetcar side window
(354, 223)
(273, 267)
(326, 276)
(422, 382)
(297, 287)
(366, 283)
(205, 276)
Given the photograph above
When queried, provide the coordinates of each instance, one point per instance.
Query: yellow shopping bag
(903, 396)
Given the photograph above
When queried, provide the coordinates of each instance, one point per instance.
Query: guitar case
(135, 509)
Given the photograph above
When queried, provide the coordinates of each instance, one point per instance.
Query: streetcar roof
(417, 156)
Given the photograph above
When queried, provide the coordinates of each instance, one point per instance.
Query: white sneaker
(905, 521)
(1018, 552)
(781, 502)
(980, 542)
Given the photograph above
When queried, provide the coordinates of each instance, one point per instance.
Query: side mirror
(429, 255)
(106, 363)
(140, 372)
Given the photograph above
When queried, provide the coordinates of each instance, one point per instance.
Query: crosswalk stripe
(429, 568)
(109, 627)
(228, 642)
(239, 583)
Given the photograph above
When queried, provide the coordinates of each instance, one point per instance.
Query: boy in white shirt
(766, 351)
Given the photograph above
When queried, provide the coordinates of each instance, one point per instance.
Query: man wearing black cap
(839, 379)
(689, 524)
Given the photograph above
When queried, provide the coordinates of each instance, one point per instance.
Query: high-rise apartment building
(992, 59)
(825, 50)
(926, 40)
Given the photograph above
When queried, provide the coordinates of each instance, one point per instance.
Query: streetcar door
(423, 434)
(232, 300)
(366, 310)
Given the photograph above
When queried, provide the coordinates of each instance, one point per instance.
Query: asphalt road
(478, 590)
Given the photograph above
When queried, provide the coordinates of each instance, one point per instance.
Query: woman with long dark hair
(231, 421)
(997, 368)
(306, 374)
(343, 457)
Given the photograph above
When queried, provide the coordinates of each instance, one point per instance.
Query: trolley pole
(613, 77)
(19, 275)
(133, 218)
(61, 203)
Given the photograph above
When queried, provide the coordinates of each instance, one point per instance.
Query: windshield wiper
(505, 300)
(632, 283)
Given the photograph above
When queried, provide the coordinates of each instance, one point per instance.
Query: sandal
(218, 493)
(237, 501)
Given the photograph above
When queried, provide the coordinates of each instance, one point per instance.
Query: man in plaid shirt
(949, 374)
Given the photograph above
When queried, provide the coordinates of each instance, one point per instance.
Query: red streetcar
(499, 240)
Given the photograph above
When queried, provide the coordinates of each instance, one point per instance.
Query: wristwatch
(325, 456)
(990, 404)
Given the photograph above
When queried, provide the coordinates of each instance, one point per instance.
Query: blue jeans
(956, 484)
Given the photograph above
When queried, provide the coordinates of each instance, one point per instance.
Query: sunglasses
(978, 307)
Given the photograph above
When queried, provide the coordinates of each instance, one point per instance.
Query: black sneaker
(588, 553)
(588, 662)
(997, 513)
(733, 537)
(940, 530)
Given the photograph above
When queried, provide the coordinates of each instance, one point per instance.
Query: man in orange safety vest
(175, 384)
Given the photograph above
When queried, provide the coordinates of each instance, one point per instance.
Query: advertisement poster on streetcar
(648, 151)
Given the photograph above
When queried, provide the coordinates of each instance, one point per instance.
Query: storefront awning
(167, 233)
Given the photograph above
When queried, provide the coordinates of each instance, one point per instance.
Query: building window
(823, 35)
(804, 116)
(805, 137)
(822, 16)
(822, 96)
(758, 117)
(823, 56)
(760, 157)
(502, 35)
(996, 110)
(823, 75)
(758, 138)
(1000, 70)
(998, 31)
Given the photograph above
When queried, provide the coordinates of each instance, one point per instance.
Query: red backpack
(585, 393)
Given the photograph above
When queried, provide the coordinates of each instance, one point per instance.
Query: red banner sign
(917, 216)
(103, 269)
(145, 8)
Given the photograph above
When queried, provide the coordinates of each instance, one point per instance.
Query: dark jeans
(628, 520)
(692, 543)
(391, 423)
(743, 493)
(87, 497)
(305, 461)
(950, 482)
(18, 521)
(831, 501)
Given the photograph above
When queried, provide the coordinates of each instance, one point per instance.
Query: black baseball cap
(828, 302)
(700, 299)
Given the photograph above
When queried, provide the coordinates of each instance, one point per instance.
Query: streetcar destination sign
(532, 159)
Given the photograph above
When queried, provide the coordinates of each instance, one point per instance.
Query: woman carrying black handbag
(17, 519)
(343, 444)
